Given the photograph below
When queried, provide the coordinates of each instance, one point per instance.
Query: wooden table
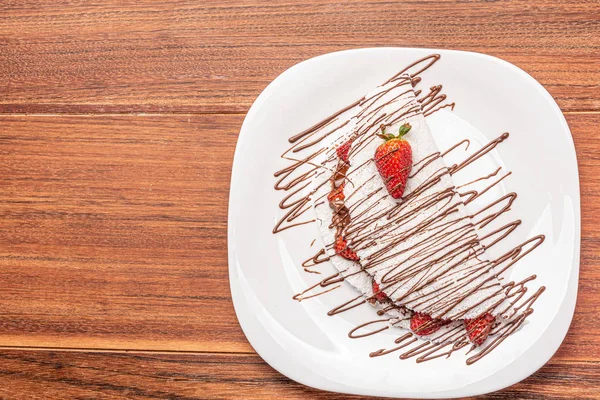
(117, 130)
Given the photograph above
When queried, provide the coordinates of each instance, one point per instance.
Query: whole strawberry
(394, 160)
(479, 328)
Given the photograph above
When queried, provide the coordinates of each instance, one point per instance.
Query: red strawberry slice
(479, 328)
(422, 324)
(344, 150)
(341, 249)
(394, 160)
(379, 295)
(337, 194)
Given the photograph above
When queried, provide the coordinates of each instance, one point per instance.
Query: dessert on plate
(398, 229)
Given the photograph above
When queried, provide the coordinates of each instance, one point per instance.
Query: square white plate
(298, 338)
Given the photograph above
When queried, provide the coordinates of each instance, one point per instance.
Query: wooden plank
(215, 56)
(114, 233)
(212, 376)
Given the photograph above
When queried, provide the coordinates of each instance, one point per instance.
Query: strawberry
(394, 160)
(379, 295)
(341, 249)
(479, 328)
(336, 194)
(422, 324)
(343, 150)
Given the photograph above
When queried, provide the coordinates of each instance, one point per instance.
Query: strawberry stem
(404, 129)
(383, 135)
(389, 136)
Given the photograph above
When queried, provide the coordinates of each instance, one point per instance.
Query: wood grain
(114, 226)
(216, 56)
(220, 376)
(114, 232)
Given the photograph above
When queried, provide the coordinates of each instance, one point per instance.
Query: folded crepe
(421, 251)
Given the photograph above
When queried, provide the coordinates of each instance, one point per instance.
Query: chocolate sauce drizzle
(315, 260)
(458, 235)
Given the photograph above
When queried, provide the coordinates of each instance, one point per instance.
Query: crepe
(422, 250)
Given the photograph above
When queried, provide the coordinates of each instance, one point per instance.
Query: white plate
(299, 339)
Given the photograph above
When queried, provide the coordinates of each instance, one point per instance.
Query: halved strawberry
(343, 150)
(379, 295)
(479, 328)
(341, 249)
(422, 324)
